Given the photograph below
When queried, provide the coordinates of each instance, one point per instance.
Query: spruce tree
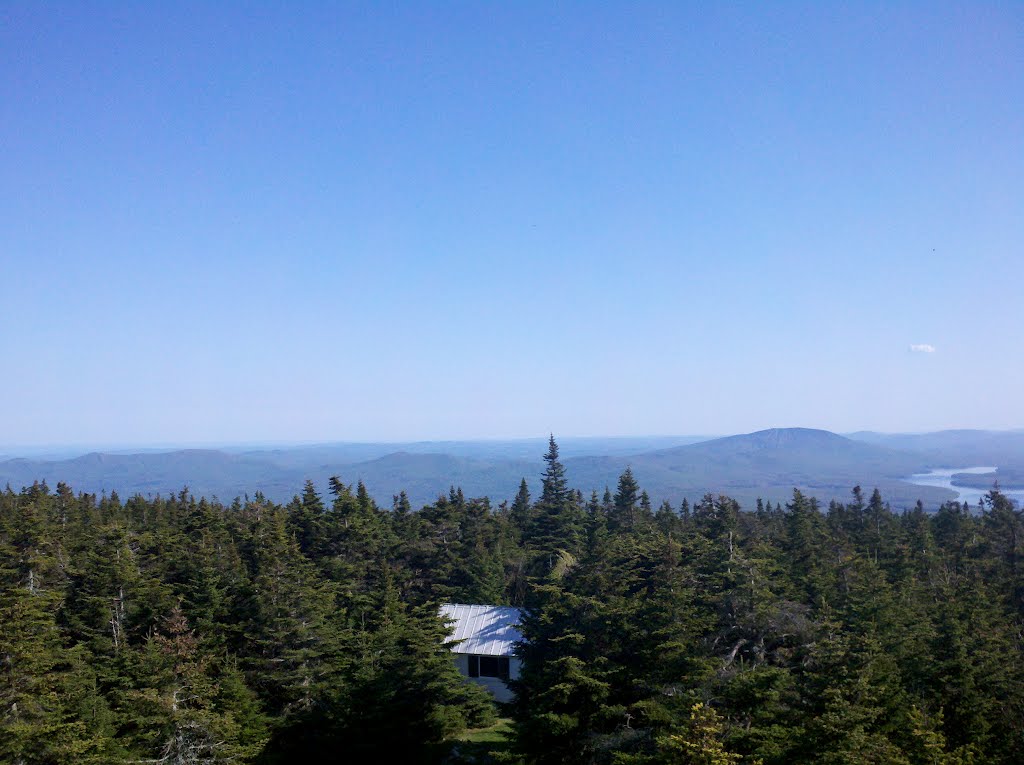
(49, 709)
(557, 519)
(625, 514)
(185, 707)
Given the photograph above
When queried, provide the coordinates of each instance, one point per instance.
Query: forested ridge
(181, 630)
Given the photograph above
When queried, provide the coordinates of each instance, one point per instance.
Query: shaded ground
(484, 745)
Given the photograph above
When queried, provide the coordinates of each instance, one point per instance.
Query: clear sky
(232, 222)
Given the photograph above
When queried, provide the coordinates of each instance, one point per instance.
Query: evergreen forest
(180, 629)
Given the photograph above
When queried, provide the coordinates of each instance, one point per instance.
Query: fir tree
(49, 709)
(557, 519)
(625, 514)
(184, 708)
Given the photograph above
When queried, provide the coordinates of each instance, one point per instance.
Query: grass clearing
(484, 745)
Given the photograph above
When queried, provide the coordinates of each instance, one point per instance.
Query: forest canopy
(180, 629)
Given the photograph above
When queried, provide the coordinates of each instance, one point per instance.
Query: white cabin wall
(494, 685)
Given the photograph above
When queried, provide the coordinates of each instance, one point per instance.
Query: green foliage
(177, 629)
(183, 706)
(49, 709)
(556, 522)
(698, 743)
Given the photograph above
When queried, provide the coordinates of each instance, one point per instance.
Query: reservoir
(943, 479)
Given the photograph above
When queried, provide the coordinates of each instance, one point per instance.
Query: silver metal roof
(485, 630)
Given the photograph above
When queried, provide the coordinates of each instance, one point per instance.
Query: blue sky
(235, 222)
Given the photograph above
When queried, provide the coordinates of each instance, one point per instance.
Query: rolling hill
(956, 448)
(767, 464)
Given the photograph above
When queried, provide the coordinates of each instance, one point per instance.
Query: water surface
(943, 479)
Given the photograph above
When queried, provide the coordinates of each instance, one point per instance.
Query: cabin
(486, 638)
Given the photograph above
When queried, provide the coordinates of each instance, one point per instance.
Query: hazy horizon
(28, 449)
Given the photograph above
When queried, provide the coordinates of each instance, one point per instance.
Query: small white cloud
(922, 348)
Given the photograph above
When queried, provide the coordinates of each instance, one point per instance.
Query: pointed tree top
(552, 448)
(555, 488)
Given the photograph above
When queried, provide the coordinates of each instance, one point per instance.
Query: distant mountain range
(767, 464)
(956, 448)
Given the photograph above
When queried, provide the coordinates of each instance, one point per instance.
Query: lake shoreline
(945, 478)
